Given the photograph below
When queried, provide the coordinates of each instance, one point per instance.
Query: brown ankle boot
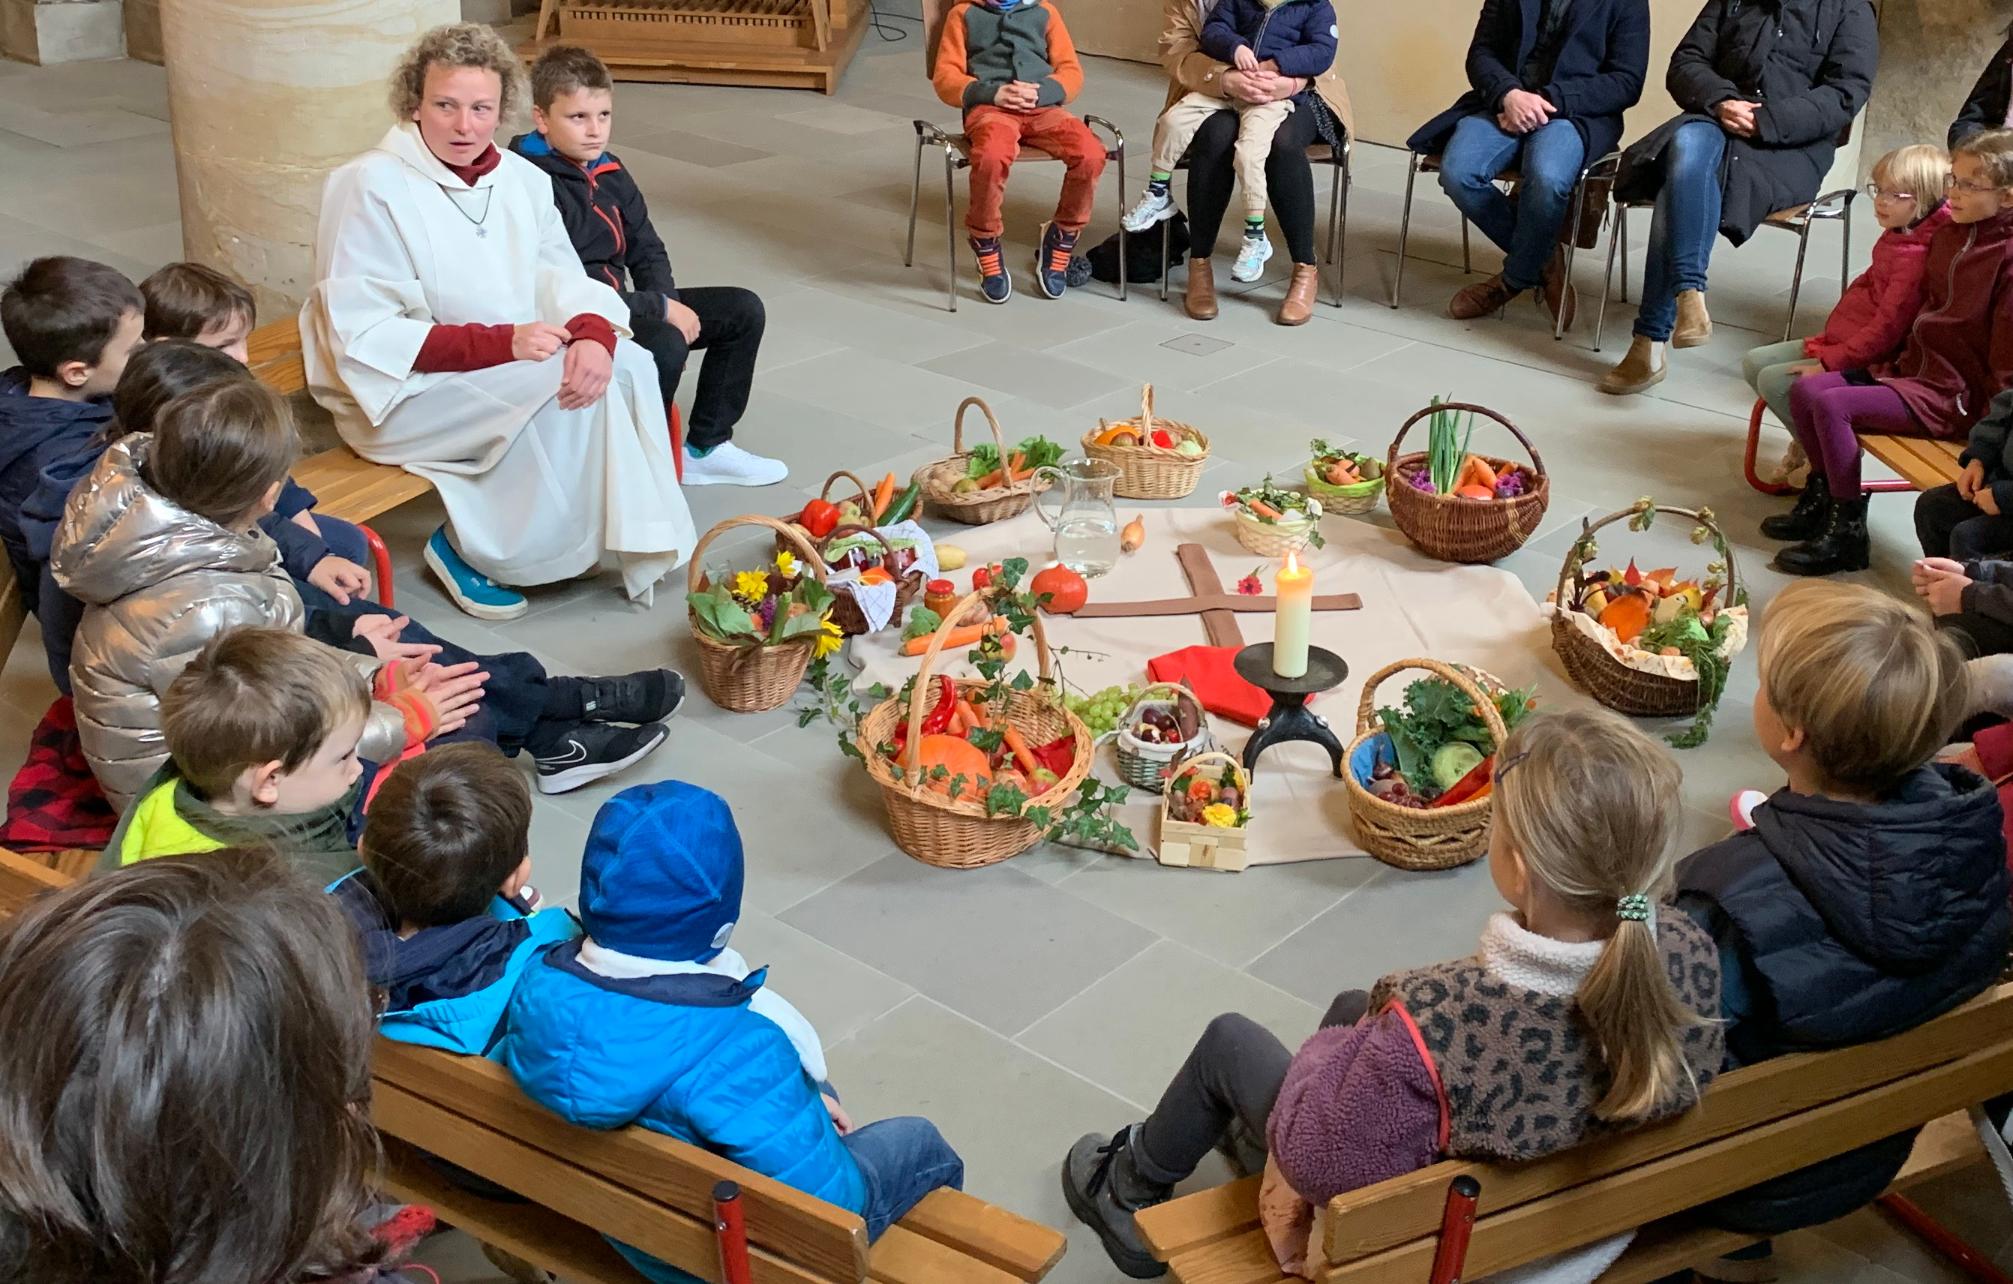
(1635, 372)
(1199, 300)
(1694, 324)
(1301, 292)
(1483, 298)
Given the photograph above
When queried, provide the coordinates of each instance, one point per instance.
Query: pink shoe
(1742, 806)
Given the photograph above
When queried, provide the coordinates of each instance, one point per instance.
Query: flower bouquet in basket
(1205, 813)
(758, 629)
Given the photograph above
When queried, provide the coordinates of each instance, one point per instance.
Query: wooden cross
(1218, 609)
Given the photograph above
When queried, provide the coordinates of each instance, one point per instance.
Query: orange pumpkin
(1065, 590)
(958, 757)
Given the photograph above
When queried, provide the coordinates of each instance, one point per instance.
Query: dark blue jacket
(1603, 57)
(1840, 923)
(34, 432)
(1299, 35)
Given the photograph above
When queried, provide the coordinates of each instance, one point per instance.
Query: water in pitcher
(1087, 545)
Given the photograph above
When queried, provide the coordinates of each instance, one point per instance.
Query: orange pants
(997, 136)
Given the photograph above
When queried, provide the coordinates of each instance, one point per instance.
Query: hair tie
(1634, 908)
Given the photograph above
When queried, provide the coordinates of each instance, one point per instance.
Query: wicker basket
(1411, 837)
(1147, 472)
(749, 679)
(846, 612)
(1269, 540)
(825, 493)
(1354, 500)
(1464, 530)
(957, 833)
(1185, 844)
(1144, 765)
(1594, 670)
(975, 508)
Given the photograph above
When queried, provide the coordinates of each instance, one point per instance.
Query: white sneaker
(1252, 255)
(729, 465)
(1152, 207)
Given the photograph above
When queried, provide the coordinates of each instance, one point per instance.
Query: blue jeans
(1681, 230)
(903, 1159)
(1549, 159)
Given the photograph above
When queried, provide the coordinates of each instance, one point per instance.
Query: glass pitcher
(1086, 518)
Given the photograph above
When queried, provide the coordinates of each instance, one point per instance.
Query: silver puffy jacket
(158, 582)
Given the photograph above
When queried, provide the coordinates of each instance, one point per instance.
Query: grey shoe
(1104, 1189)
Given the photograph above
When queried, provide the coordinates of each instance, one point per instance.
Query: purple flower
(1420, 480)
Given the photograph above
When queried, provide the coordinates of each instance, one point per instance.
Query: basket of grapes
(1205, 814)
(1166, 723)
(1104, 711)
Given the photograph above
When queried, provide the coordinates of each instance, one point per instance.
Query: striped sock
(1254, 228)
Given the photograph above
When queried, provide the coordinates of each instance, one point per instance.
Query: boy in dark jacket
(1972, 518)
(573, 106)
(1871, 893)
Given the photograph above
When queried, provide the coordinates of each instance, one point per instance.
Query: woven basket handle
(1572, 561)
(992, 421)
(1366, 708)
(1180, 693)
(887, 549)
(807, 553)
(1537, 462)
(911, 753)
(1145, 413)
(1179, 765)
(866, 495)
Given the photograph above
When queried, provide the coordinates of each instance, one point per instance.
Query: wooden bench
(1922, 461)
(1754, 1124)
(644, 1188)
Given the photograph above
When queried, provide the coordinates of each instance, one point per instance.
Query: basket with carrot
(1461, 506)
(1156, 458)
(1345, 481)
(1272, 521)
(988, 482)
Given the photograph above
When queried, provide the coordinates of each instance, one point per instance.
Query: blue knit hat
(661, 876)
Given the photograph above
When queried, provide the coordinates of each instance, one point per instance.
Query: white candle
(1292, 617)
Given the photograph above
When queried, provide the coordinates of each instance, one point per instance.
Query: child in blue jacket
(650, 1019)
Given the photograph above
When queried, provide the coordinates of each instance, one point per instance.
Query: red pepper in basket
(937, 719)
(1058, 755)
(1469, 787)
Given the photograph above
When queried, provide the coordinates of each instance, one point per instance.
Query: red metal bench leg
(1753, 448)
(1943, 1241)
(677, 442)
(1456, 1224)
(732, 1235)
(380, 558)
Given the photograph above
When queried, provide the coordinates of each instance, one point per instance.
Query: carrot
(1022, 755)
(1264, 509)
(969, 635)
(1006, 476)
(970, 714)
(884, 495)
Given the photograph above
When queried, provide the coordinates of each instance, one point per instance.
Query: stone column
(53, 31)
(1931, 52)
(266, 97)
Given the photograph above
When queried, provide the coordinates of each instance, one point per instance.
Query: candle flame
(1292, 566)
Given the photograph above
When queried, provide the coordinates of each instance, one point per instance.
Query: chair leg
(1845, 249)
(1338, 225)
(951, 228)
(915, 199)
(1622, 221)
(1405, 228)
(1615, 243)
(1122, 273)
(1166, 241)
(1754, 449)
(1467, 256)
(1796, 282)
(380, 558)
(1572, 248)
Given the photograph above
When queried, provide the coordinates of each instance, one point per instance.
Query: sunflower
(751, 586)
(786, 564)
(829, 639)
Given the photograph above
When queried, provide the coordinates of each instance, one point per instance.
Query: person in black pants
(1289, 178)
(1972, 518)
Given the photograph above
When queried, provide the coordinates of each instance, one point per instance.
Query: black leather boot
(1807, 519)
(1844, 545)
(1105, 1188)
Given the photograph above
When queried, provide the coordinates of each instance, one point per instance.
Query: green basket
(1356, 498)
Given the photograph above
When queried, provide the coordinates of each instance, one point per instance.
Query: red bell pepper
(1469, 787)
(1058, 755)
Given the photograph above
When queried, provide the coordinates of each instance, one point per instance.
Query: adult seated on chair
(1766, 89)
(1990, 105)
(1322, 115)
(1550, 80)
(452, 332)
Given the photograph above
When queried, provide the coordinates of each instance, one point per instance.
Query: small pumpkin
(1064, 589)
(958, 757)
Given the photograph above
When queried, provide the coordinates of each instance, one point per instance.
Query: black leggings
(731, 321)
(1287, 173)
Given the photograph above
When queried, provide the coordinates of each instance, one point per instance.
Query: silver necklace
(489, 197)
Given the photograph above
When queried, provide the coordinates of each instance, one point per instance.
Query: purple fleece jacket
(1361, 1104)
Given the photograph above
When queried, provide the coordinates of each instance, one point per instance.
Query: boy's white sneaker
(729, 465)
(1152, 207)
(1252, 254)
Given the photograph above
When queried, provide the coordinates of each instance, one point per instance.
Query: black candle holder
(1291, 719)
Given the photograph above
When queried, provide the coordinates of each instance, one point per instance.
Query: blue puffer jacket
(1299, 35)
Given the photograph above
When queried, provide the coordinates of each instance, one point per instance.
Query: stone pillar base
(66, 31)
(143, 31)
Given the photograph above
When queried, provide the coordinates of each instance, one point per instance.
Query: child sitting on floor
(650, 1019)
(1873, 316)
(442, 907)
(1494, 1057)
(1298, 38)
(1959, 353)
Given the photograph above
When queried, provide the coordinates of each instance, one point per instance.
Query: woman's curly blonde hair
(458, 44)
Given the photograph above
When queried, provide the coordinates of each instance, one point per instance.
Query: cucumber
(1453, 761)
(903, 505)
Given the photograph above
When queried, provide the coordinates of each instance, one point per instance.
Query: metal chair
(1338, 213)
(1601, 170)
(958, 155)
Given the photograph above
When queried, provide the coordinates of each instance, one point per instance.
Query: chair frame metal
(1337, 241)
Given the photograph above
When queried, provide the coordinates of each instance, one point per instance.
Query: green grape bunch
(1103, 711)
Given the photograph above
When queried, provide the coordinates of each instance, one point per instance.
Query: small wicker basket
(1354, 499)
(825, 493)
(758, 676)
(957, 833)
(846, 611)
(1464, 530)
(975, 508)
(1600, 674)
(1185, 844)
(1144, 764)
(1411, 837)
(1148, 472)
(1271, 540)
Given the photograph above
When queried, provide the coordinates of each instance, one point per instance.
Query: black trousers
(730, 333)
(1287, 174)
(1951, 526)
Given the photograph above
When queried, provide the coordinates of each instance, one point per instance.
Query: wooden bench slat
(900, 1256)
(348, 486)
(1921, 461)
(1024, 1249)
(22, 880)
(1244, 1258)
(1194, 1220)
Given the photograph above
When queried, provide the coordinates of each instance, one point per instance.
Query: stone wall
(53, 31)
(1931, 52)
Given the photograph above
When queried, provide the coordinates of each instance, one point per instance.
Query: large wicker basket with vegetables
(987, 483)
(840, 550)
(758, 634)
(1420, 776)
(1461, 507)
(1646, 643)
(1156, 458)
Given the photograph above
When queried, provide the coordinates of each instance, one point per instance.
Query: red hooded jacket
(1873, 317)
(1956, 357)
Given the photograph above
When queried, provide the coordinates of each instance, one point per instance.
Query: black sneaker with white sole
(651, 695)
(586, 751)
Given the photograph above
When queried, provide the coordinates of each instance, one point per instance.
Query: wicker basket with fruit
(987, 483)
(1345, 481)
(1167, 723)
(1205, 814)
(1156, 458)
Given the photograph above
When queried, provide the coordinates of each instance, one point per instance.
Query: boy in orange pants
(1011, 66)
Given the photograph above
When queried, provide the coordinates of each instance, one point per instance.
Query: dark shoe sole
(564, 782)
(1130, 1264)
(1813, 570)
(1785, 536)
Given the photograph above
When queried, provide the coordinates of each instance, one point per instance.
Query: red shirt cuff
(472, 346)
(593, 327)
(1995, 749)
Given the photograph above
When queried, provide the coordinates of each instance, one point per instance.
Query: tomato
(982, 577)
(819, 517)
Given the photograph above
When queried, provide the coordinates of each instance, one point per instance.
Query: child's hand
(537, 341)
(682, 319)
(382, 632)
(340, 578)
(840, 1119)
(1971, 479)
(1943, 591)
(1244, 59)
(454, 691)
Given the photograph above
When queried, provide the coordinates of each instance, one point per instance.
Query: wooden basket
(1464, 530)
(825, 493)
(1144, 765)
(975, 508)
(846, 610)
(957, 833)
(1410, 837)
(752, 678)
(1191, 846)
(1268, 540)
(1600, 674)
(1145, 472)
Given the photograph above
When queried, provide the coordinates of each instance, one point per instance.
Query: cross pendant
(481, 232)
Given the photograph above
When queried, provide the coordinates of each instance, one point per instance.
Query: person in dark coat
(1871, 893)
(1766, 87)
(1990, 105)
(1550, 80)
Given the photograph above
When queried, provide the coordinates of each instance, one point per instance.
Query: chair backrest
(933, 30)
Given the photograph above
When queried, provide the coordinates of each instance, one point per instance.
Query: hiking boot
(1483, 298)
(1844, 545)
(1199, 300)
(1242, 1148)
(1557, 293)
(1051, 262)
(584, 752)
(1635, 372)
(1694, 325)
(1808, 519)
(475, 593)
(995, 282)
(649, 696)
(1152, 207)
(1301, 291)
(1253, 253)
(1104, 1188)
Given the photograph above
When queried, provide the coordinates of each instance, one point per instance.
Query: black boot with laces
(1104, 1187)
(1807, 519)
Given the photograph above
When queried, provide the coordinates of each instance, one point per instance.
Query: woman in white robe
(453, 333)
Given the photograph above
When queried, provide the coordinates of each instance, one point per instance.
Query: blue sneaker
(995, 284)
(472, 591)
(1052, 260)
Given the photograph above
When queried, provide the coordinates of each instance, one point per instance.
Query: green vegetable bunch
(1446, 447)
(1436, 714)
(1035, 452)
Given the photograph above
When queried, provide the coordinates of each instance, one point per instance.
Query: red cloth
(54, 802)
(594, 328)
(1872, 319)
(1210, 673)
(997, 135)
(476, 168)
(471, 346)
(1956, 358)
(1995, 754)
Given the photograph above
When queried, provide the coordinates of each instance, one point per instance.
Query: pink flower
(1251, 585)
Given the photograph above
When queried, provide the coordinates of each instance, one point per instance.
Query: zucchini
(903, 505)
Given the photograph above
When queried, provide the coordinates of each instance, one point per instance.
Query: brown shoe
(1635, 371)
(1481, 299)
(1558, 295)
(1301, 291)
(1694, 325)
(1199, 300)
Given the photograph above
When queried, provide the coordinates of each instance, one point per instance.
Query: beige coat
(1189, 70)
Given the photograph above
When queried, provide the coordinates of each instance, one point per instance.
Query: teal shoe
(475, 593)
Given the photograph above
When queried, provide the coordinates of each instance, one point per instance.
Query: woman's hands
(536, 341)
(1736, 117)
(1262, 84)
(588, 370)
